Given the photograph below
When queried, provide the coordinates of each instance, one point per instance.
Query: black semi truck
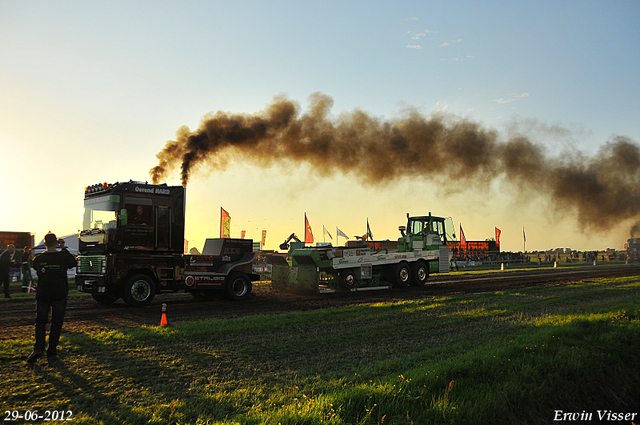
(132, 247)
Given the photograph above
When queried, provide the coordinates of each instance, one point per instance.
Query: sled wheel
(402, 275)
(348, 279)
(420, 272)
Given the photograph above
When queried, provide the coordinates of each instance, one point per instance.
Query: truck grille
(92, 264)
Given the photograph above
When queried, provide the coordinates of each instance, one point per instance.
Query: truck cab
(133, 216)
(131, 241)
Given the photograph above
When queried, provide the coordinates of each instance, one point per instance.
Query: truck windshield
(100, 213)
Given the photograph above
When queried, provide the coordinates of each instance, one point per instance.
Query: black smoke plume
(602, 190)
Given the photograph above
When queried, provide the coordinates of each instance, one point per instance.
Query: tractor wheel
(402, 276)
(139, 290)
(238, 287)
(348, 279)
(420, 272)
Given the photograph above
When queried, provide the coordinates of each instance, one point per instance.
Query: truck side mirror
(123, 217)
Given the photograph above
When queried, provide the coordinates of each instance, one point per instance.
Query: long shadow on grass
(88, 403)
(137, 382)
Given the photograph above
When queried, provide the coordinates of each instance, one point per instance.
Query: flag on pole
(341, 233)
(264, 238)
(243, 233)
(225, 224)
(308, 233)
(326, 232)
(369, 234)
(498, 232)
(524, 236)
(463, 240)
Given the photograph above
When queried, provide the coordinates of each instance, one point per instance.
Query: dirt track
(85, 315)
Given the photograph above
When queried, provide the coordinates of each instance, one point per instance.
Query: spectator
(6, 262)
(27, 281)
(52, 292)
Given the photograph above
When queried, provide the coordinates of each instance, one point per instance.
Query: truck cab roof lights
(97, 187)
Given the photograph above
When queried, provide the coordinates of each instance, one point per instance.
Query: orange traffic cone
(163, 320)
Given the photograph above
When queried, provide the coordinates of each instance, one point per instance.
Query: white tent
(71, 242)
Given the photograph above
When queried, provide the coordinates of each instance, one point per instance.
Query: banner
(264, 238)
(225, 224)
(308, 233)
(498, 232)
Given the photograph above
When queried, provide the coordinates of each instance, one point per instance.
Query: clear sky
(91, 92)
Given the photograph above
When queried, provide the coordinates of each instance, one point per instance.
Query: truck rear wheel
(402, 276)
(420, 272)
(238, 287)
(139, 290)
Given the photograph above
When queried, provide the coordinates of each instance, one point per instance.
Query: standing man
(53, 288)
(6, 261)
(27, 281)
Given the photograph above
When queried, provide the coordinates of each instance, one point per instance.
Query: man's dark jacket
(5, 262)
(52, 267)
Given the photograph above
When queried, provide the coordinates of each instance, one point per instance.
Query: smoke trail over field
(605, 188)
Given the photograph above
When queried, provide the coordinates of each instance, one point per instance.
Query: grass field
(499, 358)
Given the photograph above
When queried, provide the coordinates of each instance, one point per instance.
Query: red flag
(463, 240)
(498, 232)
(225, 224)
(308, 234)
(264, 238)
(243, 233)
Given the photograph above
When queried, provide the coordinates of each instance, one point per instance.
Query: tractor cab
(425, 231)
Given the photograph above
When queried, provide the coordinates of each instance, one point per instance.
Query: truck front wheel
(139, 290)
(238, 287)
